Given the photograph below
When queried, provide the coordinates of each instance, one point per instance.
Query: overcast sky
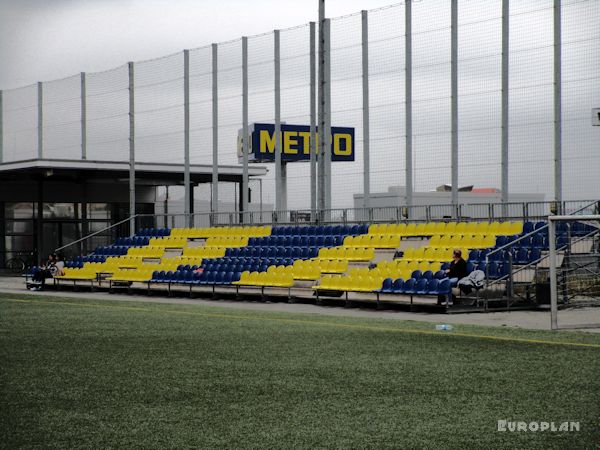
(41, 40)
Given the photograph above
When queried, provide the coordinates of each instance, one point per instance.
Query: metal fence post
(557, 104)
(408, 105)
(215, 133)
(187, 207)
(245, 125)
(505, 84)
(83, 94)
(313, 123)
(40, 118)
(365, 109)
(131, 149)
(454, 101)
(278, 169)
(553, 280)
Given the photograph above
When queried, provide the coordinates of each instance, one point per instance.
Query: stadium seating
(322, 257)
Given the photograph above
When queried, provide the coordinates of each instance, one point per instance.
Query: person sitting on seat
(456, 271)
(54, 266)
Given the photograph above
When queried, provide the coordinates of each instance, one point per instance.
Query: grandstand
(380, 263)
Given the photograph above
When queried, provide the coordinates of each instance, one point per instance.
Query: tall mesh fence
(159, 104)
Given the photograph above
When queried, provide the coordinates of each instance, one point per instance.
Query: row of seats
(149, 232)
(197, 233)
(463, 240)
(520, 255)
(294, 241)
(284, 280)
(373, 240)
(412, 286)
(320, 230)
(204, 252)
(349, 253)
(111, 250)
(133, 241)
(273, 252)
(433, 228)
(436, 254)
(168, 242)
(146, 252)
(192, 277)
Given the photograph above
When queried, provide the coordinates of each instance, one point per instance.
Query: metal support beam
(557, 106)
(215, 132)
(313, 121)
(278, 166)
(454, 101)
(131, 149)
(40, 121)
(327, 115)
(505, 80)
(408, 104)
(321, 111)
(187, 208)
(83, 94)
(365, 110)
(245, 143)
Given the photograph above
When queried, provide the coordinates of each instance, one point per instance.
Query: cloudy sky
(42, 40)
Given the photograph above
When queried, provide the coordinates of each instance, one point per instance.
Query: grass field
(78, 373)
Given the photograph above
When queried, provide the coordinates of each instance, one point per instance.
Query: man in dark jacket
(456, 271)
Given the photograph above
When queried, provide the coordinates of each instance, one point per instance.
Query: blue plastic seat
(444, 288)
(439, 275)
(432, 286)
(470, 267)
(534, 255)
(398, 286)
(521, 256)
(445, 266)
(428, 275)
(528, 227)
(416, 274)
(387, 285)
(421, 286)
(409, 286)
(474, 255)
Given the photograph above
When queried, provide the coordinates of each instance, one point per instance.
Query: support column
(557, 107)
(408, 105)
(454, 102)
(187, 208)
(365, 107)
(40, 122)
(279, 200)
(245, 144)
(83, 95)
(131, 150)
(215, 132)
(505, 80)
(313, 122)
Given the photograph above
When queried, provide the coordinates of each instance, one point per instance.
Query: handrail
(96, 232)
(511, 243)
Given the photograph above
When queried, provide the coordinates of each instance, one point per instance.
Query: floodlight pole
(279, 201)
(245, 143)
(40, 120)
(321, 111)
(313, 122)
(505, 85)
(408, 106)
(83, 95)
(187, 207)
(454, 103)
(557, 107)
(215, 133)
(131, 149)
(365, 111)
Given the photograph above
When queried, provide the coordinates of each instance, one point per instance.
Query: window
(20, 211)
(59, 211)
(98, 211)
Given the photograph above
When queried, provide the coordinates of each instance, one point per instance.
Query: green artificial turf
(108, 374)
